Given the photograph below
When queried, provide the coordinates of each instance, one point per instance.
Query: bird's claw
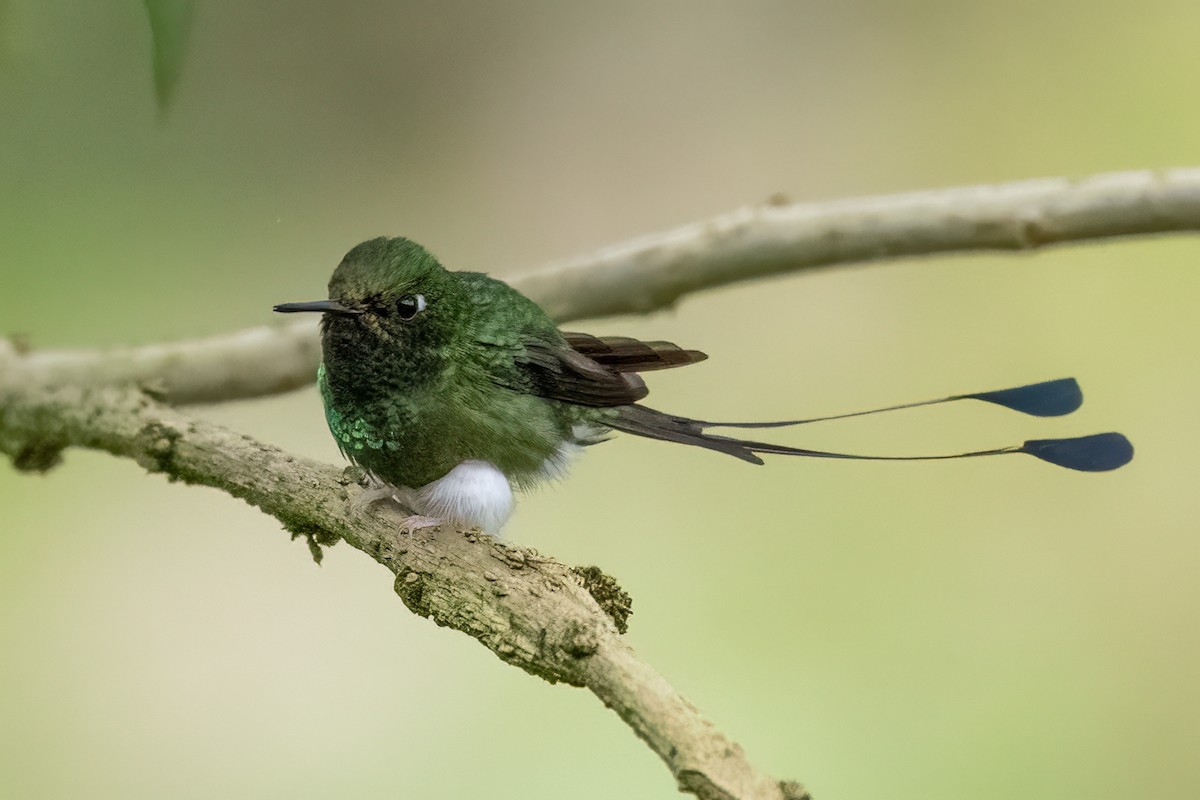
(375, 494)
(416, 522)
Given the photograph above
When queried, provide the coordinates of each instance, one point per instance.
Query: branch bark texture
(655, 271)
(536, 613)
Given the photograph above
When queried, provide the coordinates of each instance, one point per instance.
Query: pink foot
(410, 525)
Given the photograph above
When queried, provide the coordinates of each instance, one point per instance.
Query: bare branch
(533, 612)
(252, 363)
(654, 271)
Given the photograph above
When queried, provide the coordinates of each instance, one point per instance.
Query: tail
(1096, 453)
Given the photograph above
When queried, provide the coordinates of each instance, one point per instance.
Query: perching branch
(653, 272)
(550, 620)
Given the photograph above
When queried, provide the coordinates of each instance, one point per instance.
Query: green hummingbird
(452, 389)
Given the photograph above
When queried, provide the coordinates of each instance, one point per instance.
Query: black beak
(321, 306)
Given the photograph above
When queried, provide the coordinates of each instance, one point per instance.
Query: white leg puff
(472, 495)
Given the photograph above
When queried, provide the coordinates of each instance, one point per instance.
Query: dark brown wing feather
(624, 354)
(557, 373)
(599, 371)
(602, 371)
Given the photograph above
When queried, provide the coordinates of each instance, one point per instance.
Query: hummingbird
(452, 390)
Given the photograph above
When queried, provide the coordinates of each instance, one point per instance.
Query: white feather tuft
(475, 494)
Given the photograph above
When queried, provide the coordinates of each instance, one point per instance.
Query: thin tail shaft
(1046, 399)
(1096, 453)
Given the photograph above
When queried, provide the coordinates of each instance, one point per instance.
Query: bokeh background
(971, 629)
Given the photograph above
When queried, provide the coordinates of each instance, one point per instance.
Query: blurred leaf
(170, 25)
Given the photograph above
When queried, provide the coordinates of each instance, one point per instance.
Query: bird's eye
(410, 305)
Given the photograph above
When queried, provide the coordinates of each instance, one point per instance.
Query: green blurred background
(958, 630)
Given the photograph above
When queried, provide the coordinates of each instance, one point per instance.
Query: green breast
(415, 437)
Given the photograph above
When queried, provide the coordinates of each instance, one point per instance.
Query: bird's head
(386, 292)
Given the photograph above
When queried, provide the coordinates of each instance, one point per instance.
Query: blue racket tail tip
(1100, 452)
(1046, 399)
